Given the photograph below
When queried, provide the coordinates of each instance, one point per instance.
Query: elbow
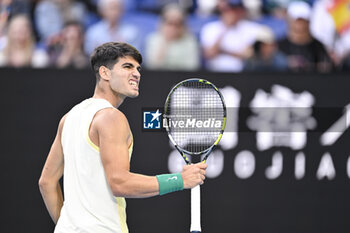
(119, 187)
(42, 183)
(118, 191)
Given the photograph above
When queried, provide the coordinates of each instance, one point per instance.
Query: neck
(104, 92)
(112, 24)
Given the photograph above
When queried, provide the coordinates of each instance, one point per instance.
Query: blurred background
(283, 164)
(215, 35)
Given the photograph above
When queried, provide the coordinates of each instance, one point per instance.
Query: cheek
(114, 83)
(118, 83)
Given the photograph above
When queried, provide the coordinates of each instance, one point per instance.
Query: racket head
(194, 116)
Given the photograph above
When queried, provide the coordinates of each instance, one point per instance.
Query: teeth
(132, 83)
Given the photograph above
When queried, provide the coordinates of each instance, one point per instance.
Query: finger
(202, 172)
(186, 167)
(202, 165)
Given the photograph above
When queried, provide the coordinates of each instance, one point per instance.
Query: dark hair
(109, 53)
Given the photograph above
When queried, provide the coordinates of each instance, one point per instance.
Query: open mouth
(134, 83)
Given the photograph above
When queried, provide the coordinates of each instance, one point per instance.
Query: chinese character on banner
(281, 118)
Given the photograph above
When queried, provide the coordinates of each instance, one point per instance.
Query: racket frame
(207, 151)
(195, 192)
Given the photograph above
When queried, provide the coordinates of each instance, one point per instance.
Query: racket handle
(196, 209)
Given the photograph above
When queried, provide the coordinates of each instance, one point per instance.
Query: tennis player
(92, 149)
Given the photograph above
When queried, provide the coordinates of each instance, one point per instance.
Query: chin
(134, 95)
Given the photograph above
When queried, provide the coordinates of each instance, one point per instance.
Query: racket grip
(195, 209)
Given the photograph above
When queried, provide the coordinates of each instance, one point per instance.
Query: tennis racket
(195, 118)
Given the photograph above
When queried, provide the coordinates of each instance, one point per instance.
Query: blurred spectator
(277, 8)
(51, 15)
(227, 43)
(304, 52)
(275, 15)
(253, 9)
(330, 24)
(20, 49)
(4, 15)
(110, 28)
(156, 6)
(14, 7)
(272, 13)
(68, 51)
(205, 8)
(173, 47)
(10, 8)
(266, 55)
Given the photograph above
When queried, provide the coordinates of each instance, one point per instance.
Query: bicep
(113, 142)
(114, 155)
(114, 138)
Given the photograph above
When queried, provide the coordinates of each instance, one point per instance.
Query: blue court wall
(277, 183)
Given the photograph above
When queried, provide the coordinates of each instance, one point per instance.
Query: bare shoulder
(111, 119)
(60, 126)
(111, 115)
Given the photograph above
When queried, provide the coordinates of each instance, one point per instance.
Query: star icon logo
(156, 115)
(151, 119)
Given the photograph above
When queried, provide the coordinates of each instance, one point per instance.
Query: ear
(105, 73)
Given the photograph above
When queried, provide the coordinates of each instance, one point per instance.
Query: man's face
(125, 77)
(112, 11)
(300, 26)
(231, 15)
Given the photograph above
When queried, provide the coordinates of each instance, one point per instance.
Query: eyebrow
(132, 65)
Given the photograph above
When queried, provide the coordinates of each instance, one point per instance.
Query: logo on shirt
(152, 119)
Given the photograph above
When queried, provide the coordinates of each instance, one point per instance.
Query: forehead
(173, 13)
(127, 59)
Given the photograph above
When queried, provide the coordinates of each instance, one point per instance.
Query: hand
(193, 174)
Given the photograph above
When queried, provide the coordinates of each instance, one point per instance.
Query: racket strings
(195, 116)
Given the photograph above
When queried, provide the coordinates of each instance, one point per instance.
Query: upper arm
(114, 138)
(54, 165)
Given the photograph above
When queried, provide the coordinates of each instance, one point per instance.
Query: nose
(136, 74)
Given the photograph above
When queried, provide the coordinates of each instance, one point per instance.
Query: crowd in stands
(215, 35)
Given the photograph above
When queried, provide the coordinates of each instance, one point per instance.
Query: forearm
(53, 198)
(211, 52)
(247, 53)
(215, 49)
(134, 185)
